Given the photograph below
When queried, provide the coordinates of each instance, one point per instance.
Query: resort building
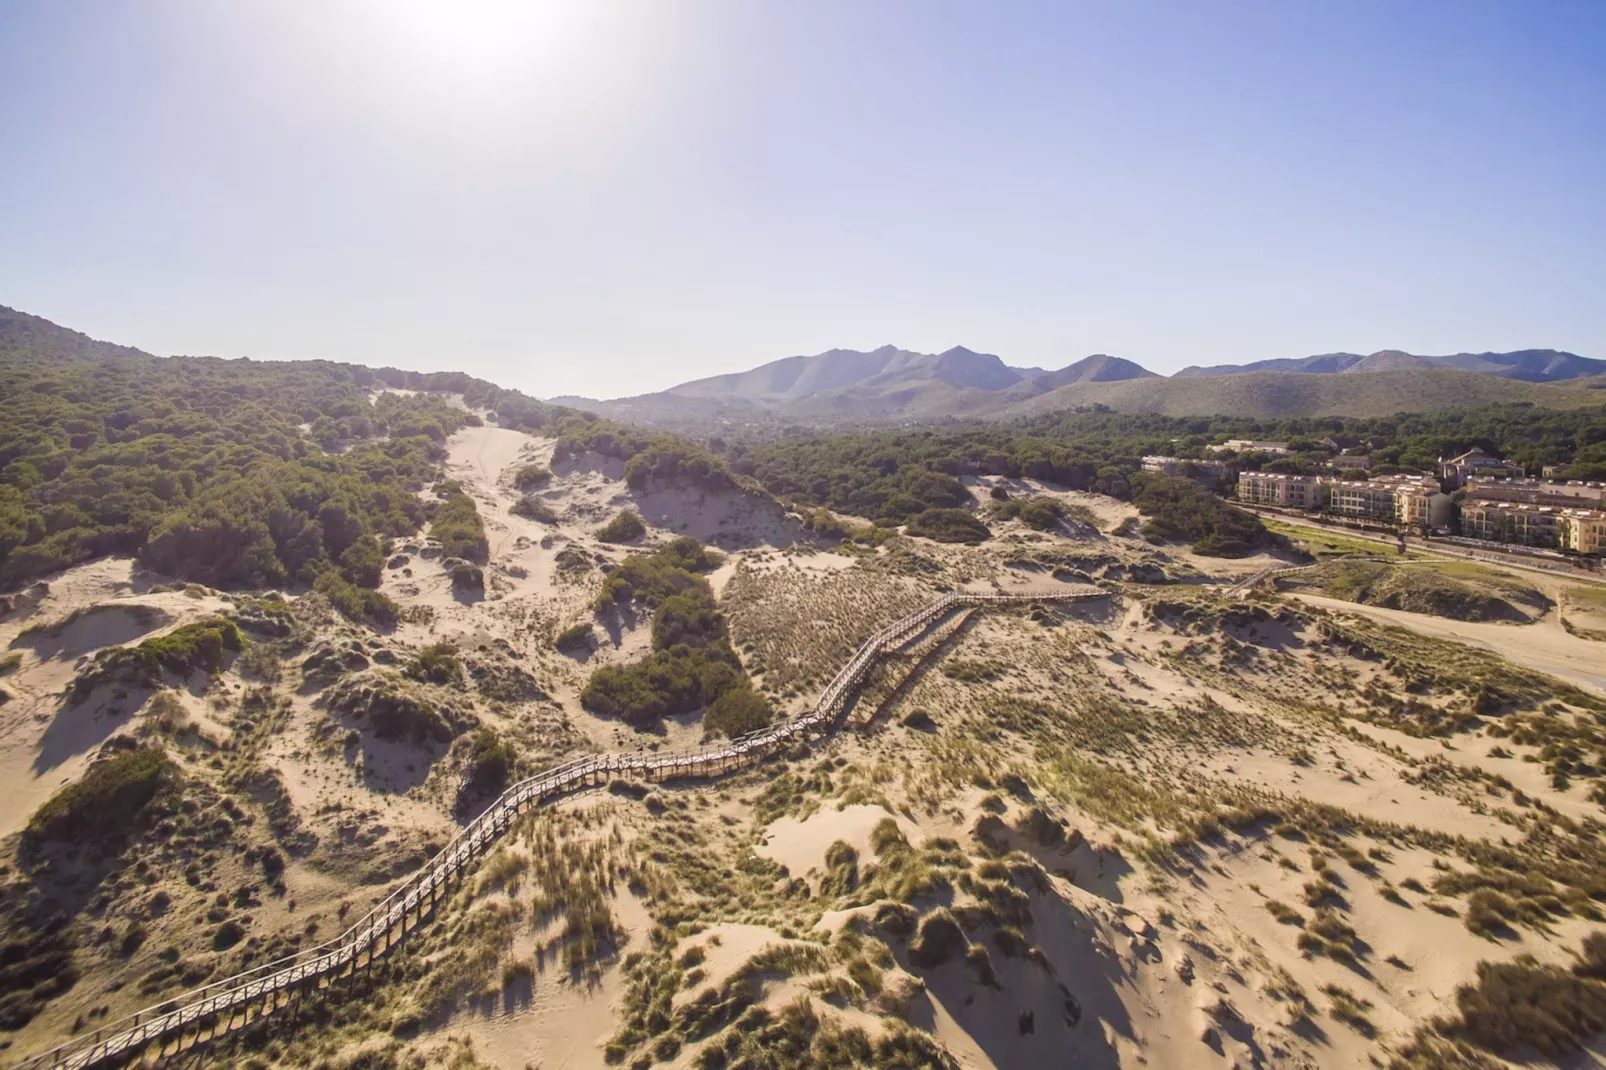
(1279, 489)
(1518, 522)
(1206, 473)
(1582, 531)
(1351, 461)
(1455, 471)
(1412, 501)
(1367, 499)
(1248, 445)
(1537, 491)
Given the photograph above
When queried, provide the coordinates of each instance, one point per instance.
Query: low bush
(357, 604)
(108, 803)
(738, 711)
(667, 684)
(532, 477)
(1040, 513)
(457, 525)
(574, 638)
(393, 710)
(948, 525)
(1177, 508)
(534, 509)
(436, 664)
(625, 526)
(487, 766)
(195, 647)
(467, 578)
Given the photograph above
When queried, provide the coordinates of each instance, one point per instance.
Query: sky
(607, 198)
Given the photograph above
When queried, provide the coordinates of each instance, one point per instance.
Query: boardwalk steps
(218, 1008)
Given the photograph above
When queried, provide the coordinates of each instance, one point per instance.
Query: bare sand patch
(1544, 646)
(800, 846)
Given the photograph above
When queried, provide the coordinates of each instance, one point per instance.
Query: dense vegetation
(239, 473)
(691, 665)
(651, 459)
(915, 477)
(1181, 509)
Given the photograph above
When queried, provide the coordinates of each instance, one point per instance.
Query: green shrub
(736, 712)
(436, 664)
(195, 647)
(692, 664)
(1038, 512)
(10, 663)
(573, 638)
(532, 477)
(107, 803)
(487, 765)
(1178, 508)
(457, 525)
(667, 683)
(393, 711)
(357, 604)
(534, 509)
(625, 526)
(948, 525)
(363, 563)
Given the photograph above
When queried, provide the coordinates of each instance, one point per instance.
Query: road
(1429, 546)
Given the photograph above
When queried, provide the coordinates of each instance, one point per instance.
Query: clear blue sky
(607, 198)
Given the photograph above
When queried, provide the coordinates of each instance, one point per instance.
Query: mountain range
(846, 386)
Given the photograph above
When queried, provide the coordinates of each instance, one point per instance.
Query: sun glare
(495, 45)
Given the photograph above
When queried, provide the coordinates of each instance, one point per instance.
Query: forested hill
(241, 473)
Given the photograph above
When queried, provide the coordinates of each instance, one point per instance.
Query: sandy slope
(1544, 646)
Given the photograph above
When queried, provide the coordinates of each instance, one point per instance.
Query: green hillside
(1289, 394)
(241, 473)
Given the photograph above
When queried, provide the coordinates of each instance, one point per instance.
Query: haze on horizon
(608, 198)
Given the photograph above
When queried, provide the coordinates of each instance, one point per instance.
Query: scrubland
(1160, 827)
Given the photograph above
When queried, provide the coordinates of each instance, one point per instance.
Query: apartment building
(1351, 461)
(1455, 471)
(1249, 445)
(1411, 501)
(1518, 522)
(1582, 531)
(1367, 499)
(1573, 494)
(1422, 505)
(1279, 489)
(1206, 473)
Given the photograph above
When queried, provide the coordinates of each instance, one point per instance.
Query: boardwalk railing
(226, 1004)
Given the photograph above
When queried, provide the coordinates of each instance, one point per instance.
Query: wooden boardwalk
(186, 1020)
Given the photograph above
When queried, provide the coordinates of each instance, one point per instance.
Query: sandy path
(1544, 646)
